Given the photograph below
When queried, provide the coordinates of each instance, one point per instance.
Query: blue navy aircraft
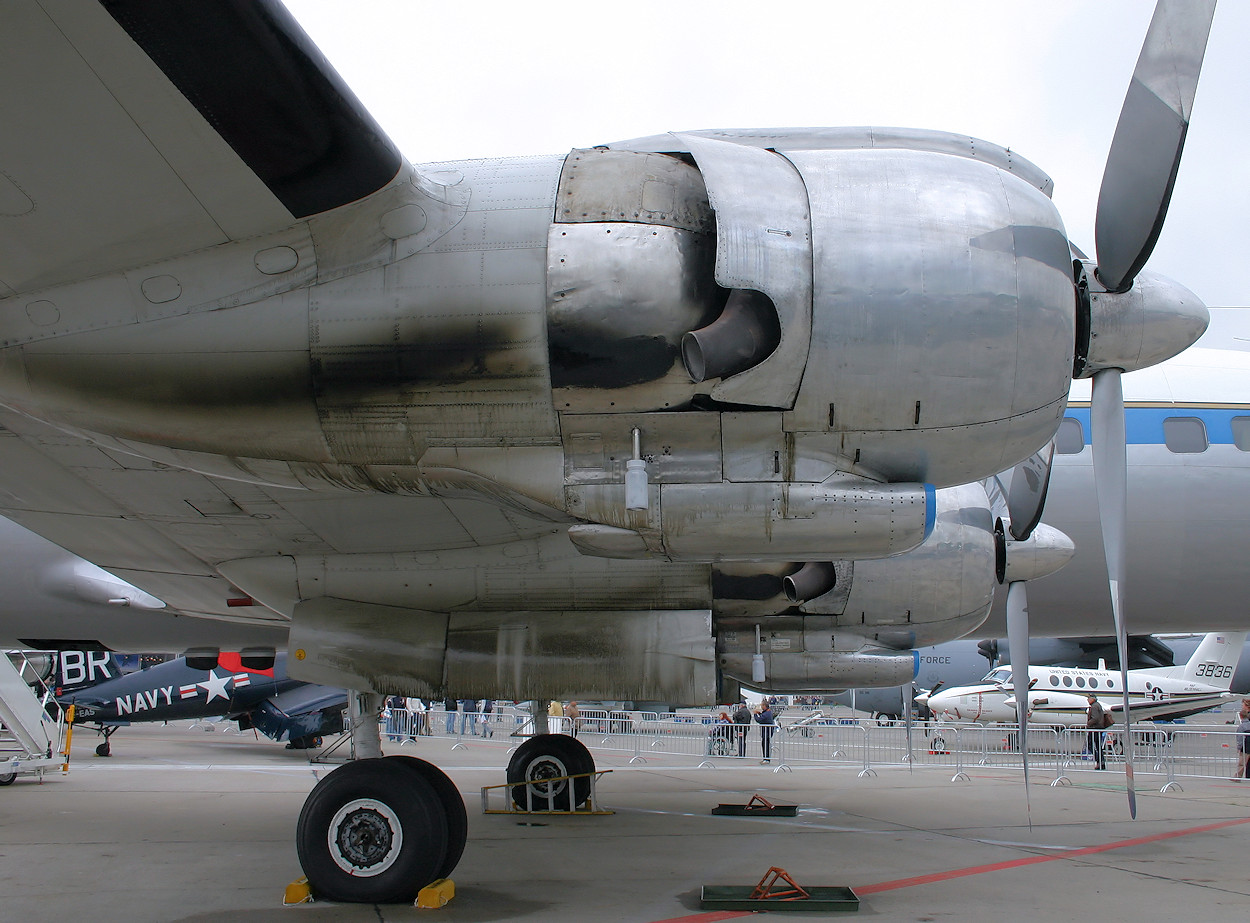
(253, 693)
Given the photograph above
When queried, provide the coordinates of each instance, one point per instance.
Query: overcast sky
(1043, 77)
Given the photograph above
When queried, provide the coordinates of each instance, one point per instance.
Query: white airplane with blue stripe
(1187, 424)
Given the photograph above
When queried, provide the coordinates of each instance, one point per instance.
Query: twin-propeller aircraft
(1057, 696)
(599, 425)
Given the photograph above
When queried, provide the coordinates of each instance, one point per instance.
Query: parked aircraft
(646, 414)
(254, 695)
(1057, 695)
(964, 662)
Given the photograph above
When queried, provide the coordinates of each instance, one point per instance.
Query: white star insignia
(215, 685)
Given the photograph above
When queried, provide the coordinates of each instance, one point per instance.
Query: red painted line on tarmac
(982, 869)
(1034, 860)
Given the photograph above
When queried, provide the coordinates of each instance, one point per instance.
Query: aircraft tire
(549, 756)
(373, 831)
(8, 778)
(453, 809)
(104, 749)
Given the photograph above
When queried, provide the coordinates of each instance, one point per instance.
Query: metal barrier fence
(1171, 751)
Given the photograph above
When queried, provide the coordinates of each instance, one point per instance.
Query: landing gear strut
(105, 749)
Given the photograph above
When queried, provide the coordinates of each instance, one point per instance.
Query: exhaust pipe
(815, 578)
(745, 334)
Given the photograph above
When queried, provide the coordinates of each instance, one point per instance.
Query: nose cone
(1153, 321)
(1043, 553)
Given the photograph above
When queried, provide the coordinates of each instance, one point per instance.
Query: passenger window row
(1182, 435)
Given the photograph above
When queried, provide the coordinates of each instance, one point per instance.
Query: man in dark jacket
(1095, 721)
(742, 723)
(449, 706)
(767, 721)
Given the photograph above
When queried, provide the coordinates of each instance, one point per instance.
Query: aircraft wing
(307, 699)
(138, 142)
(158, 131)
(166, 530)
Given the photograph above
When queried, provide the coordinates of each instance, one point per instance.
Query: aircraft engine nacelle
(849, 624)
(906, 298)
(941, 590)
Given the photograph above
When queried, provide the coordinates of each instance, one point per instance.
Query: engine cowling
(895, 292)
(861, 629)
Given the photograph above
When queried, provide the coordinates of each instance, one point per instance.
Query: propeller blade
(1111, 483)
(989, 650)
(1018, 642)
(907, 694)
(1027, 494)
(1146, 150)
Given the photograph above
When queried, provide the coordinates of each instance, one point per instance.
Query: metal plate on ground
(738, 897)
(749, 810)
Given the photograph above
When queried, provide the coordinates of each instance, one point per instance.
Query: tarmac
(182, 824)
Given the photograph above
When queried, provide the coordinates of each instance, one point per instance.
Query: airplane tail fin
(1215, 659)
(78, 670)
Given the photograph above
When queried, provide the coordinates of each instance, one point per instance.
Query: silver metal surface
(802, 670)
(641, 654)
(957, 356)
(763, 243)
(602, 185)
(1151, 322)
(620, 297)
(769, 522)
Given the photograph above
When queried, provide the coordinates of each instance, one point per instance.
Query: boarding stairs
(30, 737)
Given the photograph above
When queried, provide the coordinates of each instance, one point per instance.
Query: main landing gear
(542, 759)
(378, 830)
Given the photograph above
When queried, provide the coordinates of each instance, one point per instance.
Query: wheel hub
(365, 837)
(541, 772)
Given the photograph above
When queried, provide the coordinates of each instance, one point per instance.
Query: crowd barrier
(1171, 751)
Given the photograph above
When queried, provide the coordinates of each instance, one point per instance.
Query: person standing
(767, 720)
(1243, 745)
(449, 706)
(395, 711)
(742, 724)
(1095, 721)
(487, 708)
(416, 708)
(467, 707)
(573, 714)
